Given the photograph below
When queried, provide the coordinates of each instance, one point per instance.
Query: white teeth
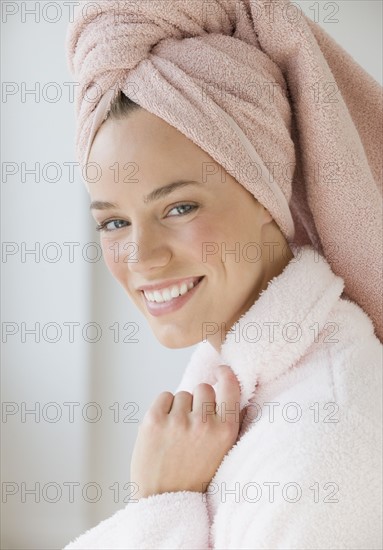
(174, 291)
(168, 294)
(158, 296)
(184, 288)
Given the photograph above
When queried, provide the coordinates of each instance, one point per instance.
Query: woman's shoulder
(347, 353)
(354, 325)
(340, 374)
(355, 360)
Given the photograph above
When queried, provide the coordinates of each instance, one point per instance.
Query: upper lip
(168, 283)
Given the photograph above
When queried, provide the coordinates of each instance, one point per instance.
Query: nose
(147, 250)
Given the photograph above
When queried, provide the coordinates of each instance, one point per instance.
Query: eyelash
(102, 226)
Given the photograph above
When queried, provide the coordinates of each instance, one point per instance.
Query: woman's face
(211, 228)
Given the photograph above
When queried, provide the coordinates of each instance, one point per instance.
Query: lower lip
(157, 309)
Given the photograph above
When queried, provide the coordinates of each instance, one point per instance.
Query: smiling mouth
(171, 294)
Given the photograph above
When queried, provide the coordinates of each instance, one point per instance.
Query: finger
(204, 401)
(228, 395)
(182, 402)
(162, 403)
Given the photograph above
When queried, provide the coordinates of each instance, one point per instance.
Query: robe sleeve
(168, 520)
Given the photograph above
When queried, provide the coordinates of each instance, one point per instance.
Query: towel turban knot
(269, 95)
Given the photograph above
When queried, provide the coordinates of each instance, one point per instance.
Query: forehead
(144, 148)
(141, 135)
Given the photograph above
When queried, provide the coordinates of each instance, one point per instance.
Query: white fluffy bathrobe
(305, 471)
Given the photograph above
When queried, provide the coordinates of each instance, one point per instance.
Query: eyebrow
(157, 194)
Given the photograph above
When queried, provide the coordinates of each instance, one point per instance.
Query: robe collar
(277, 330)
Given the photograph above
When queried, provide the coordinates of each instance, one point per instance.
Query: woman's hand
(183, 438)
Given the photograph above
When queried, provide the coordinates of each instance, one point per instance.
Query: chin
(172, 341)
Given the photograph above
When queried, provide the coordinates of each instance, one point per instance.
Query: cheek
(201, 239)
(218, 242)
(113, 260)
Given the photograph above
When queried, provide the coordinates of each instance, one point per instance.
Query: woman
(272, 439)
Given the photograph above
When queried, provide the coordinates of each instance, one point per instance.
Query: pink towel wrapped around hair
(269, 95)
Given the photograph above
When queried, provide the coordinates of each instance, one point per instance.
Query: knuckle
(205, 389)
(183, 393)
(166, 395)
(204, 386)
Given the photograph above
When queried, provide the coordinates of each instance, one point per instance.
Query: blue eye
(104, 226)
(191, 207)
(113, 225)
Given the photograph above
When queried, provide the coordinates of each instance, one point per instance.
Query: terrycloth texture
(269, 95)
(311, 434)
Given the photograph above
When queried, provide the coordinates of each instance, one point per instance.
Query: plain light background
(70, 461)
